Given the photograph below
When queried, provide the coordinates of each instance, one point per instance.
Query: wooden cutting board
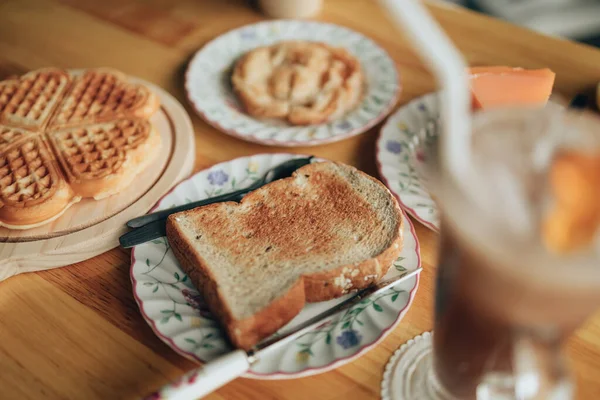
(91, 227)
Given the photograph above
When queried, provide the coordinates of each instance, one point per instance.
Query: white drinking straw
(449, 68)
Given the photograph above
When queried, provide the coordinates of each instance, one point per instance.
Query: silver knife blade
(276, 341)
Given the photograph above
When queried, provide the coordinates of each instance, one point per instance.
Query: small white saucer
(407, 373)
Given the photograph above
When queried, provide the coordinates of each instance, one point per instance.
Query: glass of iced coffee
(519, 259)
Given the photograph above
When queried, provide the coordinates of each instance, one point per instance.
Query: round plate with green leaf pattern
(178, 315)
(209, 90)
(407, 140)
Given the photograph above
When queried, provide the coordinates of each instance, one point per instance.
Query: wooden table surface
(76, 333)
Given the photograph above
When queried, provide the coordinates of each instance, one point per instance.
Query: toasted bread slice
(327, 230)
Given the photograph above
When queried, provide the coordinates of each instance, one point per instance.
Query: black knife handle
(161, 215)
(150, 231)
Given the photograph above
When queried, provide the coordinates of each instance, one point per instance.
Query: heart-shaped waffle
(66, 136)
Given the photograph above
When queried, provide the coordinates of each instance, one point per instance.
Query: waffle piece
(32, 187)
(302, 82)
(28, 102)
(102, 159)
(102, 95)
(10, 135)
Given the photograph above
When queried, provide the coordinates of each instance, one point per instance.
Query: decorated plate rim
(404, 206)
(378, 146)
(292, 143)
(280, 374)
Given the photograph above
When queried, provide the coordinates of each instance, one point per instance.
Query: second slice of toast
(327, 230)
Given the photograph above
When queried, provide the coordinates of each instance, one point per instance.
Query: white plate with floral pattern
(208, 87)
(176, 313)
(403, 148)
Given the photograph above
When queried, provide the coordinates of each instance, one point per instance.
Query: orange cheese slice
(493, 87)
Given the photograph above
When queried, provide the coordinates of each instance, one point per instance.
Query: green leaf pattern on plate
(398, 265)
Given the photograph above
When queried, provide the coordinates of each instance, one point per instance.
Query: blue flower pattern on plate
(348, 339)
(393, 146)
(217, 177)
